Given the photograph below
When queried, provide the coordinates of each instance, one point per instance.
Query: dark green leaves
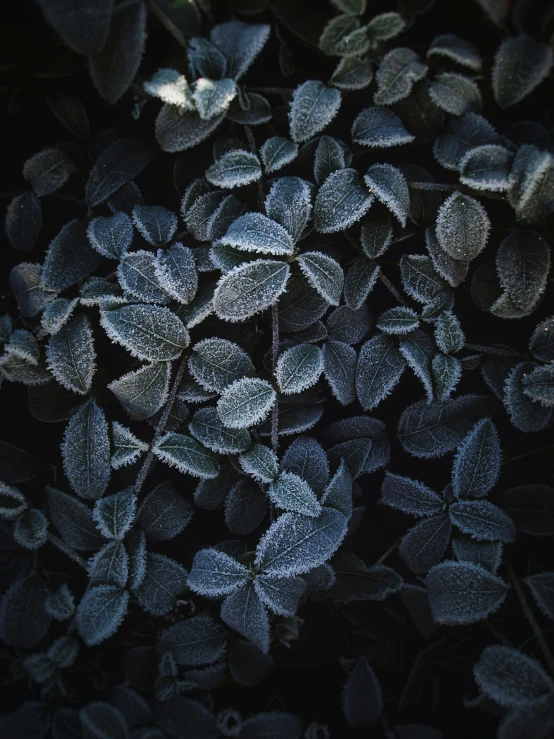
(147, 331)
(100, 613)
(118, 164)
(380, 366)
(313, 107)
(462, 227)
(70, 257)
(84, 28)
(380, 128)
(249, 289)
(71, 355)
(362, 697)
(256, 233)
(187, 455)
(477, 464)
(511, 678)
(523, 264)
(86, 452)
(520, 65)
(341, 201)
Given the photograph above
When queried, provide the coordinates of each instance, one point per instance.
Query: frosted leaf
(306, 458)
(73, 519)
(111, 236)
(455, 93)
(136, 549)
(228, 210)
(379, 127)
(277, 152)
(351, 7)
(341, 201)
(463, 593)
(376, 235)
(175, 270)
(198, 215)
(487, 168)
(260, 463)
(356, 454)
(257, 112)
(355, 581)
(289, 204)
(462, 135)
(338, 493)
(26, 285)
(208, 429)
(127, 448)
(84, 28)
(23, 221)
(339, 367)
(234, 169)
(226, 258)
(299, 368)
(197, 641)
(539, 385)
(115, 514)
(100, 720)
(22, 344)
(255, 232)
(523, 265)
(477, 464)
(71, 356)
(399, 320)
(31, 529)
(137, 276)
(291, 493)
(487, 554)
(205, 59)
(99, 291)
(329, 157)
(295, 544)
(86, 451)
(526, 414)
(510, 677)
(379, 368)
(398, 71)
(457, 49)
(216, 363)
(16, 465)
(12, 502)
(432, 429)
(187, 455)
(448, 333)
(69, 258)
(359, 282)
(250, 289)
(341, 34)
(214, 574)
(324, 274)
(163, 582)
(114, 66)
(240, 43)
(442, 301)
(23, 618)
(156, 224)
(143, 392)
(246, 402)
(352, 73)
(60, 604)
(532, 184)
(147, 331)
(125, 199)
(117, 165)
(133, 706)
(463, 227)
(505, 307)
(16, 369)
(483, 521)
(313, 107)
(197, 189)
(362, 696)
(520, 64)
(280, 594)
(347, 325)
(385, 26)
(164, 513)
(100, 613)
(244, 612)
(425, 544)
(200, 308)
(542, 588)
(110, 566)
(410, 496)
(530, 507)
(47, 171)
(300, 306)
(177, 130)
(245, 508)
(293, 419)
(454, 271)
(389, 185)
(170, 87)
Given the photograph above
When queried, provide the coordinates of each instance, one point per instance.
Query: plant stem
(254, 150)
(393, 547)
(274, 357)
(63, 547)
(541, 641)
(168, 24)
(391, 288)
(495, 350)
(272, 90)
(539, 449)
(160, 428)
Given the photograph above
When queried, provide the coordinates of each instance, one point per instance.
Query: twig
(539, 449)
(63, 547)
(391, 288)
(393, 547)
(168, 24)
(500, 351)
(254, 150)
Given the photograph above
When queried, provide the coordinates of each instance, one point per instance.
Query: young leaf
(510, 677)
(175, 269)
(487, 168)
(376, 235)
(127, 448)
(143, 392)
(487, 554)
(250, 289)
(477, 465)
(244, 612)
(291, 493)
(100, 613)
(289, 204)
(399, 320)
(457, 50)
(115, 514)
(295, 544)
(240, 43)
(307, 459)
(389, 185)
(110, 566)
(84, 28)
(462, 135)
(539, 385)
(23, 221)
(342, 36)
(74, 521)
(213, 97)
(245, 508)
(520, 64)
(362, 697)
(277, 152)
(531, 182)
(71, 356)
(379, 127)
(163, 582)
(523, 265)
(260, 463)
(216, 363)
(448, 333)
(280, 594)
(410, 496)
(86, 452)
(69, 258)
(341, 201)
(355, 581)
(156, 224)
(186, 454)
(234, 169)
(255, 232)
(339, 368)
(60, 604)
(313, 107)
(197, 641)
(147, 331)
(542, 588)
(385, 26)
(482, 520)
(425, 544)
(379, 368)
(111, 236)
(207, 428)
(214, 574)
(114, 67)
(432, 429)
(462, 227)
(463, 593)
(117, 165)
(398, 71)
(245, 403)
(299, 368)
(31, 529)
(455, 93)
(47, 171)
(170, 87)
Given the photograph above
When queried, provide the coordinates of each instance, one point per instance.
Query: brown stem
(393, 547)
(391, 288)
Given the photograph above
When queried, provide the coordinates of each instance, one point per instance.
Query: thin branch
(391, 288)
(500, 351)
(539, 449)
(63, 547)
(168, 24)
(393, 547)
(254, 150)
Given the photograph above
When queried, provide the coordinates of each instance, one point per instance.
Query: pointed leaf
(69, 258)
(245, 403)
(71, 355)
(207, 428)
(313, 107)
(213, 97)
(177, 130)
(163, 582)
(389, 185)
(118, 164)
(289, 204)
(362, 697)
(307, 459)
(111, 236)
(487, 554)
(147, 331)
(520, 64)
(260, 463)
(215, 573)
(186, 454)
(143, 392)
(487, 168)
(240, 43)
(542, 588)
(523, 265)
(280, 594)
(244, 612)
(379, 368)
(115, 514)
(156, 224)
(216, 363)
(425, 544)
(399, 320)
(127, 448)
(291, 493)
(299, 368)
(100, 613)
(339, 367)
(477, 464)
(329, 157)
(410, 496)
(234, 169)
(110, 566)
(250, 289)
(277, 152)
(379, 127)
(245, 508)
(86, 452)
(341, 201)
(419, 278)
(255, 232)
(510, 678)
(456, 49)
(398, 71)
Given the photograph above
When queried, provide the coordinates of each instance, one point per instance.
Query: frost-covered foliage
(295, 290)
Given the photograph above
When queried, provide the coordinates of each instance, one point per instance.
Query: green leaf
(341, 201)
(277, 152)
(255, 232)
(147, 331)
(71, 355)
(250, 289)
(385, 26)
(520, 64)
(324, 274)
(86, 452)
(463, 227)
(389, 185)
(69, 258)
(187, 455)
(143, 392)
(246, 402)
(313, 107)
(234, 169)
(118, 164)
(398, 71)
(299, 368)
